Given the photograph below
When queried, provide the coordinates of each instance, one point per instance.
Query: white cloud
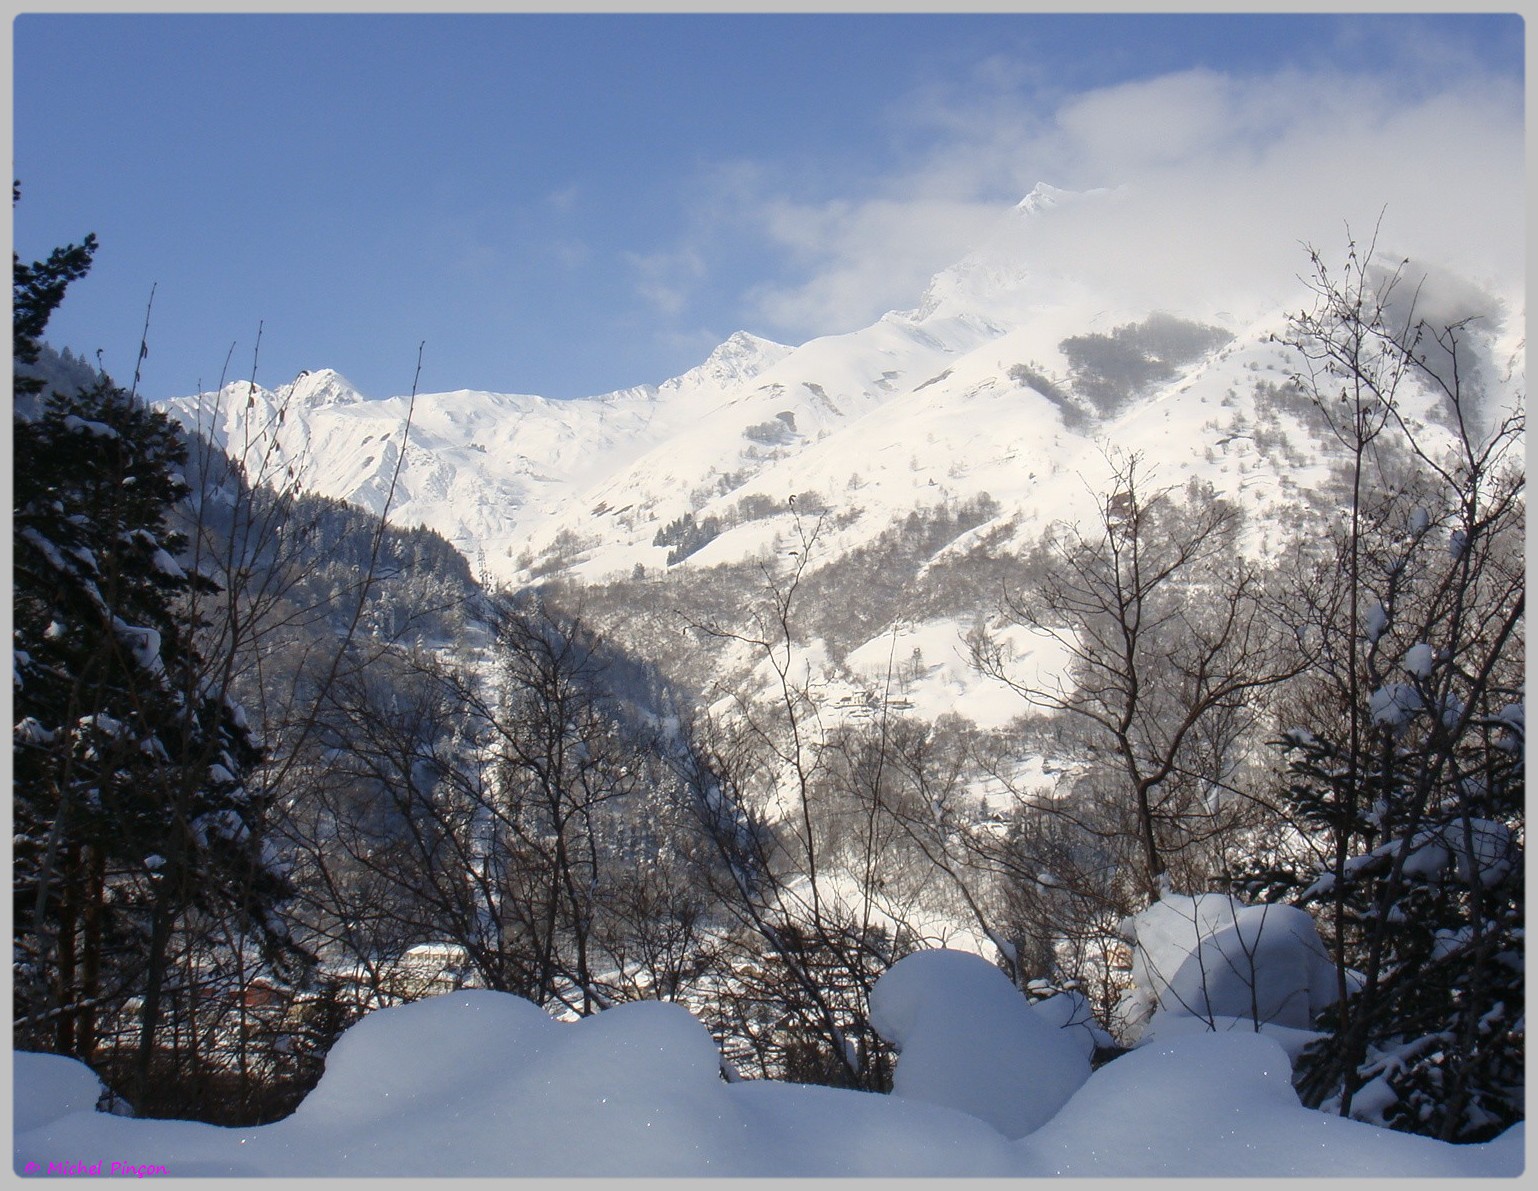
(1225, 177)
(862, 258)
(1297, 158)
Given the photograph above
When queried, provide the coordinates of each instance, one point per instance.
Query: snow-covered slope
(479, 467)
(969, 392)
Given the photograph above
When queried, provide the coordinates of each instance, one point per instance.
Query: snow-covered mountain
(479, 467)
(980, 388)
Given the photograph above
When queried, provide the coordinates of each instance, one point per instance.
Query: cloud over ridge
(1220, 178)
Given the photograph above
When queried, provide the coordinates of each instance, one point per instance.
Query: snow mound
(967, 1039)
(1215, 1104)
(478, 1083)
(56, 1087)
(1211, 956)
(429, 1052)
(507, 1088)
(483, 1084)
(1070, 1012)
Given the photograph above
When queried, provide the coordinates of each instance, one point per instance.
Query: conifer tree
(38, 289)
(134, 823)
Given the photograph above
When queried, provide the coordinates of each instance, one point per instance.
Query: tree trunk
(149, 1016)
(90, 965)
(66, 985)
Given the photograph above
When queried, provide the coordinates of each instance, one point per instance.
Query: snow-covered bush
(967, 1039)
(1210, 956)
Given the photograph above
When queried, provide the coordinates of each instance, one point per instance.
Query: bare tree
(1169, 649)
(527, 816)
(812, 943)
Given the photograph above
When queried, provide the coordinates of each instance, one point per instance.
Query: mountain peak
(1043, 196)
(324, 386)
(1005, 268)
(740, 357)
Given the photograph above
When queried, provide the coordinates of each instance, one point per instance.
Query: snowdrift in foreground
(1210, 956)
(997, 1061)
(483, 1083)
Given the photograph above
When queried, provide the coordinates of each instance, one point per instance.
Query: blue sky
(567, 205)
